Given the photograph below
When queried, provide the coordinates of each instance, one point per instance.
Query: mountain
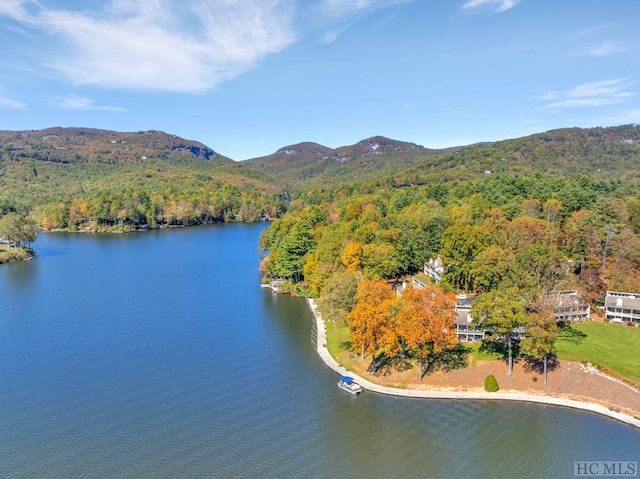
(307, 161)
(602, 152)
(72, 145)
(55, 164)
(612, 152)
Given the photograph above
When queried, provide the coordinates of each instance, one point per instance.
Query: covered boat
(348, 384)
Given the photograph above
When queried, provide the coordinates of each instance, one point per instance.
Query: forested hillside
(600, 152)
(510, 239)
(540, 232)
(103, 180)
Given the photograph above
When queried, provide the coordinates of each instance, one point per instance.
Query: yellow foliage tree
(352, 256)
(310, 271)
(84, 209)
(46, 223)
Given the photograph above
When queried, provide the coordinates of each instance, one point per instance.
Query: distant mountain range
(605, 152)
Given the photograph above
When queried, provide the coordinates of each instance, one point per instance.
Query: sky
(247, 77)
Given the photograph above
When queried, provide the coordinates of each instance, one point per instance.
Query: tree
(46, 223)
(494, 225)
(352, 256)
(524, 232)
(17, 229)
(380, 260)
(502, 312)
(338, 296)
(371, 323)
(552, 208)
(460, 245)
(289, 257)
(542, 263)
(426, 321)
(542, 332)
(531, 208)
(490, 267)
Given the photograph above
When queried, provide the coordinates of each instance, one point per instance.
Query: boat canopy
(346, 379)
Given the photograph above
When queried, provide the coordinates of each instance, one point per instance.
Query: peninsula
(620, 402)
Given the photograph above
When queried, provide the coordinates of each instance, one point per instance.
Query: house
(434, 268)
(465, 331)
(622, 307)
(569, 306)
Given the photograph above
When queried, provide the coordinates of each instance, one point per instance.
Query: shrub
(491, 383)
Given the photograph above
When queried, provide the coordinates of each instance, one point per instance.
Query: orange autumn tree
(372, 322)
(426, 322)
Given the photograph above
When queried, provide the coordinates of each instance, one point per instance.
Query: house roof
(435, 263)
(463, 301)
(622, 300)
(567, 301)
(462, 317)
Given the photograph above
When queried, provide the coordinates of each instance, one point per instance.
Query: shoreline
(323, 352)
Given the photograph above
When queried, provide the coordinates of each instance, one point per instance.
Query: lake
(157, 355)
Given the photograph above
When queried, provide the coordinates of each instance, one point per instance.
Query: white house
(569, 306)
(465, 331)
(434, 268)
(622, 307)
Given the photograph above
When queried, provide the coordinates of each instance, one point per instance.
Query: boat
(348, 384)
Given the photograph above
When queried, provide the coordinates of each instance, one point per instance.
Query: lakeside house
(569, 306)
(434, 268)
(465, 330)
(622, 307)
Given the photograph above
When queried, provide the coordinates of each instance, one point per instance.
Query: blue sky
(247, 77)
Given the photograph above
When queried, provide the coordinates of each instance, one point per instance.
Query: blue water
(156, 355)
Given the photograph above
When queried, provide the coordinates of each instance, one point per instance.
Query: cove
(157, 355)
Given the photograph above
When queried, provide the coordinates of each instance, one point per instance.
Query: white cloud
(17, 9)
(550, 95)
(13, 104)
(593, 29)
(602, 93)
(332, 35)
(74, 102)
(607, 48)
(488, 6)
(161, 44)
(340, 8)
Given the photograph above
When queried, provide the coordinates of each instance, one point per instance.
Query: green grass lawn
(615, 347)
(476, 356)
(337, 342)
